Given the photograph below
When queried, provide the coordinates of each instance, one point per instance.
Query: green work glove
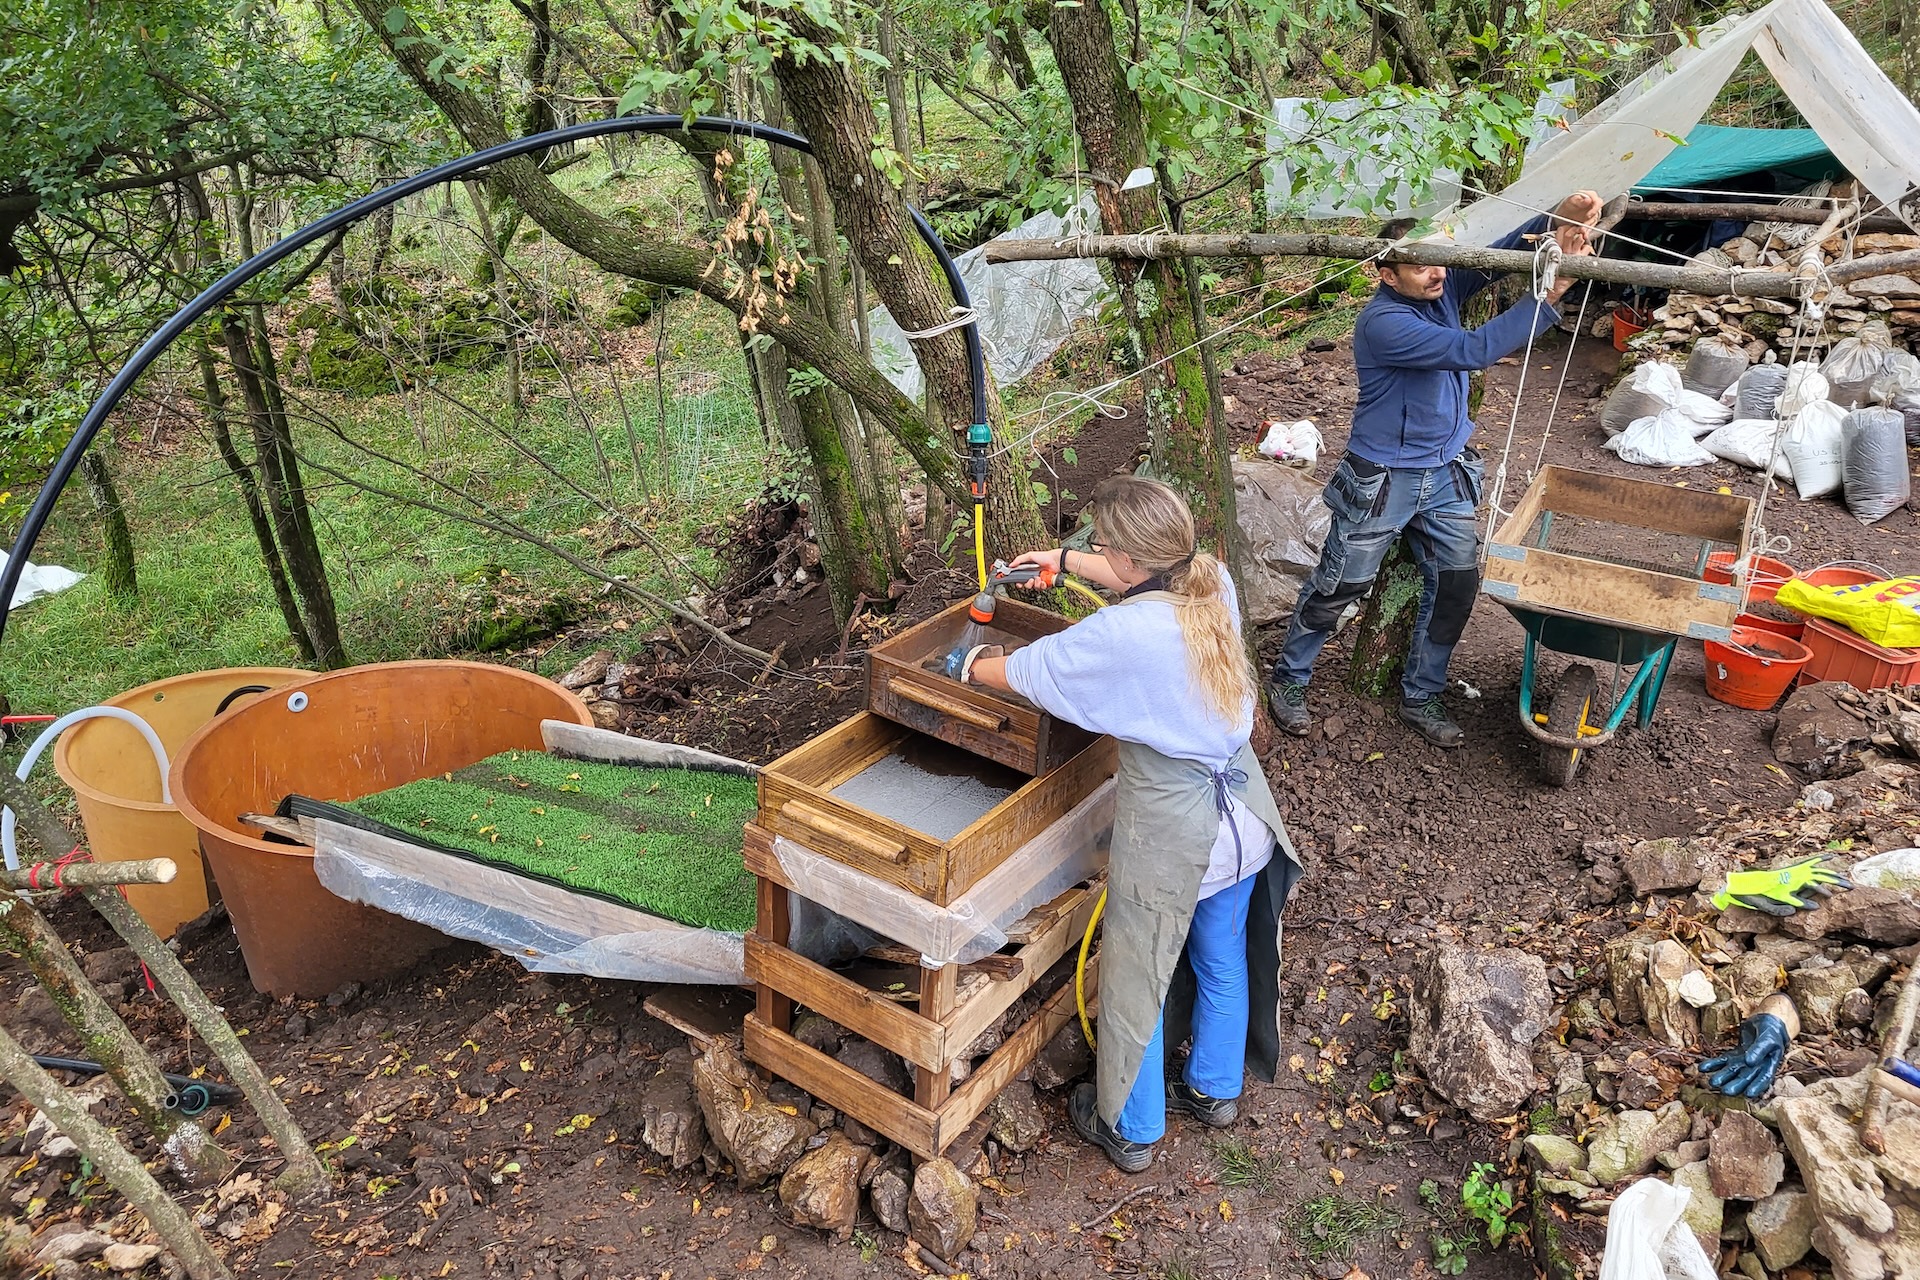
(1778, 892)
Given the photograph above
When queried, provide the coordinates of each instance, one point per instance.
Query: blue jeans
(1217, 950)
(1436, 507)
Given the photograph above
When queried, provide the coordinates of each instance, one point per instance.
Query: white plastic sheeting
(1867, 123)
(1312, 128)
(40, 580)
(1073, 849)
(1026, 309)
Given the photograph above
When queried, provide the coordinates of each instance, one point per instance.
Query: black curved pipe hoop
(345, 216)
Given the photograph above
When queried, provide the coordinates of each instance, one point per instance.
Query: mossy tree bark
(123, 582)
(1165, 326)
(1384, 631)
(128, 1176)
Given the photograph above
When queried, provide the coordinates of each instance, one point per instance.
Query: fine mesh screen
(1622, 544)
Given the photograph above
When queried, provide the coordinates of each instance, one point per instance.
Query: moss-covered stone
(339, 361)
(635, 304)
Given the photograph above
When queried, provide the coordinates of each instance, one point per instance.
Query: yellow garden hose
(1076, 585)
(980, 542)
(1080, 969)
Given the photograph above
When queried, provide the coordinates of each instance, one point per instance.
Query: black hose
(241, 692)
(189, 1097)
(214, 294)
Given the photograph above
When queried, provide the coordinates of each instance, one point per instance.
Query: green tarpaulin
(1715, 153)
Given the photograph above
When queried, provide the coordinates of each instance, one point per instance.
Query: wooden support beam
(1756, 211)
(1707, 281)
(78, 875)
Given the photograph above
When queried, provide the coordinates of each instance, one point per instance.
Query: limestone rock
(1817, 991)
(1689, 1152)
(672, 1124)
(1746, 1163)
(1670, 864)
(876, 1064)
(1065, 1059)
(591, 669)
(1474, 1017)
(1626, 961)
(129, 1257)
(1696, 988)
(888, 1196)
(1669, 1016)
(1705, 1212)
(1751, 978)
(816, 1032)
(1781, 1227)
(749, 1130)
(943, 1209)
(74, 1246)
(822, 1188)
(1864, 1220)
(1631, 1142)
(1015, 1119)
(1555, 1155)
(1815, 733)
(1886, 916)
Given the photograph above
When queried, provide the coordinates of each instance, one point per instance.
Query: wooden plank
(972, 1019)
(1644, 504)
(773, 925)
(1024, 815)
(1042, 918)
(841, 1087)
(589, 742)
(1009, 1060)
(1657, 602)
(932, 1076)
(904, 1031)
(998, 968)
(702, 1014)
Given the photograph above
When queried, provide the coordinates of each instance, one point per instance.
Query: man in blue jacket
(1408, 467)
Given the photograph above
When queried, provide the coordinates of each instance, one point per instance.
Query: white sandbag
(1663, 440)
(1874, 455)
(1647, 1238)
(1805, 385)
(1297, 444)
(1706, 412)
(1749, 442)
(1855, 362)
(1650, 388)
(1760, 389)
(1813, 449)
(1714, 364)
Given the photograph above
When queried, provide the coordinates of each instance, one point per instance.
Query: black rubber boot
(1215, 1113)
(1289, 703)
(1430, 719)
(1083, 1112)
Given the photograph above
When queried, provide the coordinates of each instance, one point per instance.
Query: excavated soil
(486, 1123)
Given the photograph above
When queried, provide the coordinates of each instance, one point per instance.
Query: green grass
(664, 840)
(1243, 1166)
(1333, 1225)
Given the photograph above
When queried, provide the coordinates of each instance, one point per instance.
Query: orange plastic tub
(1765, 576)
(1626, 323)
(1760, 622)
(112, 774)
(338, 737)
(1843, 575)
(1838, 653)
(1755, 669)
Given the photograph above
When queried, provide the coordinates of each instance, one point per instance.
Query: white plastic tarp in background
(40, 580)
(1026, 309)
(1867, 123)
(1303, 124)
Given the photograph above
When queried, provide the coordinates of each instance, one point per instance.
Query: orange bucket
(1844, 573)
(1780, 627)
(1626, 323)
(1765, 575)
(1755, 669)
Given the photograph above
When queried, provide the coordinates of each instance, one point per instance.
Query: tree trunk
(1186, 429)
(1906, 34)
(496, 260)
(119, 1166)
(834, 114)
(243, 478)
(1420, 54)
(894, 80)
(1385, 627)
(122, 582)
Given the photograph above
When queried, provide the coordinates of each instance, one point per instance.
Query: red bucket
(1755, 669)
(1765, 575)
(1844, 573)
(1626, 323)
(1760, 622)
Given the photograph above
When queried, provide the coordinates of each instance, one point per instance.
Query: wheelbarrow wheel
(1568, 715)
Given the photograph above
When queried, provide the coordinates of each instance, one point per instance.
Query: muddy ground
(485, 1120)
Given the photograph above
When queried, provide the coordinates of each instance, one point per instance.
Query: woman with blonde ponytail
(1192, 932)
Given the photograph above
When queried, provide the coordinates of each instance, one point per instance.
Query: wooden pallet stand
(957, 1005)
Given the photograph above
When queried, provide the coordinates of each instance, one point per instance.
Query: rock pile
(1780, 1187)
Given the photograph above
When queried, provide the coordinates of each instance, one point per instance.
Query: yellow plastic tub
(112, 773)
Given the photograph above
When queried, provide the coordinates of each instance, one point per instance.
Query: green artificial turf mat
(664, 840)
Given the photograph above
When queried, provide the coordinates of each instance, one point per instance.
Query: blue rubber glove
(1749, 1071)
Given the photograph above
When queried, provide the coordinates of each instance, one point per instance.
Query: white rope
(1566, 364)
(1546, 267)
(960, 318)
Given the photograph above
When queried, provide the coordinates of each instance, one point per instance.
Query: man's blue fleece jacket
(1413, 359)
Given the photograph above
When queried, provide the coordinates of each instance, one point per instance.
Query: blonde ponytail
(1151, 523)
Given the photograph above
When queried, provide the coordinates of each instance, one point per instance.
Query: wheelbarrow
(1572, 724)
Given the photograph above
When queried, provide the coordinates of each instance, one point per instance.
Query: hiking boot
(1430, 719)
(1128, 1157)
(1289, 701)
(1215, 1113)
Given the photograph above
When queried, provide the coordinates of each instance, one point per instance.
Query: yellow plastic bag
(1887, 613)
